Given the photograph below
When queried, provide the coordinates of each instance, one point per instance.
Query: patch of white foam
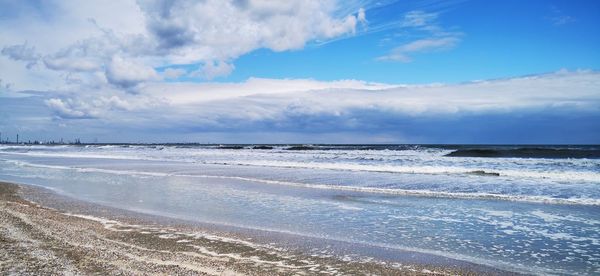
(81, 155)
(553, 218)
(546, 216)
(391, 191)
(170, 233)
(421, 161)
(587, 176)
(497, 213)
(107, 223)
(556, 234)
(348, 207)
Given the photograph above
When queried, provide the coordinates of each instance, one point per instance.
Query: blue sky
(498, 39)
(302, 71)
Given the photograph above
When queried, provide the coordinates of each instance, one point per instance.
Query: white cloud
(192, 31)
(266, 100)
(403, 53)
(93, 106)
(362, 16)
(88, 35)
(436, 37)
(196, 93)
(213, 69)
(67, 109)
(559, 18)
(562, 20)
(309, 97)
(304, 106)
(128, 73)
(71, 64)
(173, 73)
(418, 19)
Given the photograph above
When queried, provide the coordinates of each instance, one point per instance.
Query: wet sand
(61, 237)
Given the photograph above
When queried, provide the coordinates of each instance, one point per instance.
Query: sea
(521, 208)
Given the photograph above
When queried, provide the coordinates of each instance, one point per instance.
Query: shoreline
(43, 232)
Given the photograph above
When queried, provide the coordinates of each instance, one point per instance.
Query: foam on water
(115, 226)
(389, 191)
(400, 197)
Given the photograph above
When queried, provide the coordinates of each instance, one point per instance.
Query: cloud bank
(122, 42)
(519, 109)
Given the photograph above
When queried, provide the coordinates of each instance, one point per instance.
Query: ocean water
(526, 209)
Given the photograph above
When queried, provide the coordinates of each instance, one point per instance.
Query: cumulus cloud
(70, 109)
(192, 31)
(128, 73)
(162, 33)
(99, 107)
(213, 69)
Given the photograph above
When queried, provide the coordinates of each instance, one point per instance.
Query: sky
(301, 71)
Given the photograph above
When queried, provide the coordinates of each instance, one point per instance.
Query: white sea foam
(548, 217)
(388, 191)
(382, 161)
(81, 155)
(566, 176)
(114, 225)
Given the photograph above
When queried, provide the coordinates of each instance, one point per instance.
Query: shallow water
(538, 216)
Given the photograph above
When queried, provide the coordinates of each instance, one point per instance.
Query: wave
(326, 147)
(262, 147)
(301, 148)
(527, 153)
(360, 189)
(231, 147)
(432, 170)
(484, 170)
(85, 155)
(424, 193)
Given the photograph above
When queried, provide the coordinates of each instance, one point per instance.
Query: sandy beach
(40, 240)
